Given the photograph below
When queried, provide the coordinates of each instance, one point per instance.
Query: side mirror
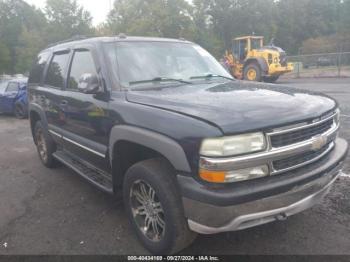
(89, 84)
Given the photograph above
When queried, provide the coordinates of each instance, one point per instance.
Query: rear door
(52, 93)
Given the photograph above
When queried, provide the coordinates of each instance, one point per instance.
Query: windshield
(256, 43)
(3, 86)
(143, 61)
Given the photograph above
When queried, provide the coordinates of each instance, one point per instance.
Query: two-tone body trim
(77, 144)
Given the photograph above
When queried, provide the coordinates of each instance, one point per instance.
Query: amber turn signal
(212, 176)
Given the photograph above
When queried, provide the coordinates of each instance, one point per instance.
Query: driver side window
(82, 63)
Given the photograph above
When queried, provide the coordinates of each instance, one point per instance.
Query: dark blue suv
(13, 97)
(191, 150)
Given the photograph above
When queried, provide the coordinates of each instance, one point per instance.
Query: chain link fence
(320, 65)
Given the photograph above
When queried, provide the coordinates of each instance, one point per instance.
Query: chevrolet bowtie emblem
(319, 142)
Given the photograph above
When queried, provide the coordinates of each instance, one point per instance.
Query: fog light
(234, 175)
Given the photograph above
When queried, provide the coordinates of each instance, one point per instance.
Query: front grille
(299, 159)
(301, 134)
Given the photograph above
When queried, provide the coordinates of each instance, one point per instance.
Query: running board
(94, 175)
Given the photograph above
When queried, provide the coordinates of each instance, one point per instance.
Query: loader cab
(243, 45)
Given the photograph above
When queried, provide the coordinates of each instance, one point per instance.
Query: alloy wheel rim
(41, 145)
(147, 211)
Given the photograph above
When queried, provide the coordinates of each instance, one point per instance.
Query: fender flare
(164, 145)
(261, 62)
(40, 111)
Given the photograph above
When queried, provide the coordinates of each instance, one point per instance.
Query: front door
(86, 115)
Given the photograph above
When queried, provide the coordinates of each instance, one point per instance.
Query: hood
(238, 106)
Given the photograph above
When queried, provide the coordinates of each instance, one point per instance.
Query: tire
(271, 79)
(19, 111)
(157, 175)
(45, 145)
(252, 72)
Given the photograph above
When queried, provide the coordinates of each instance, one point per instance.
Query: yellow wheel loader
(250, 60)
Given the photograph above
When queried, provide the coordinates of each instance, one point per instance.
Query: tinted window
(38, 68)
(55, 74)
(12, 87)
(83, 63)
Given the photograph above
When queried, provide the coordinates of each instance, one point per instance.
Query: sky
(98, 9)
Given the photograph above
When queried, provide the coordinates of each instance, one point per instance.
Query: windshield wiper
(211, 76)
(160, 79)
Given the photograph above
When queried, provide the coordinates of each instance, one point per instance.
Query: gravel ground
(46, 211)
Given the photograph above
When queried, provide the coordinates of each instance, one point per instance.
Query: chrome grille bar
(329, 149)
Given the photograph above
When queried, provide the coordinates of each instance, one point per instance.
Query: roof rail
(74, 38)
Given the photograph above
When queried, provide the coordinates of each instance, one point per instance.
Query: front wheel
(252, 72)
(154, 207)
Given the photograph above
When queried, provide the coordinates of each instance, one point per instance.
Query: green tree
(204, 33)
(66, 19)
(16, 16)
(162, 18)
(304, 19)
(5, 59)
(29, 45)
(302, 25)
(343, 13)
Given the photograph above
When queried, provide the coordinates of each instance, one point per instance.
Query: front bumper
(248, 204)
(275, 70)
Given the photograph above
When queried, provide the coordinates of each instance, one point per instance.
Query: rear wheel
(252, 72)
(154, 207)
(45, 145)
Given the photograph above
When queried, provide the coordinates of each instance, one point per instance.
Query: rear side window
(82, 63)
(38, 68)
(12, 87)
(55, 76)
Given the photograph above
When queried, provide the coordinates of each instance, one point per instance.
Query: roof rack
(74, 38)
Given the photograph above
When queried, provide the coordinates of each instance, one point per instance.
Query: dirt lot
(56, 212)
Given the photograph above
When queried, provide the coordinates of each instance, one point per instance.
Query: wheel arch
(260, 62)
(35, 114)
(126, 141)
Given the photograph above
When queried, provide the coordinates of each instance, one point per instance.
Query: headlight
(233, 145)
